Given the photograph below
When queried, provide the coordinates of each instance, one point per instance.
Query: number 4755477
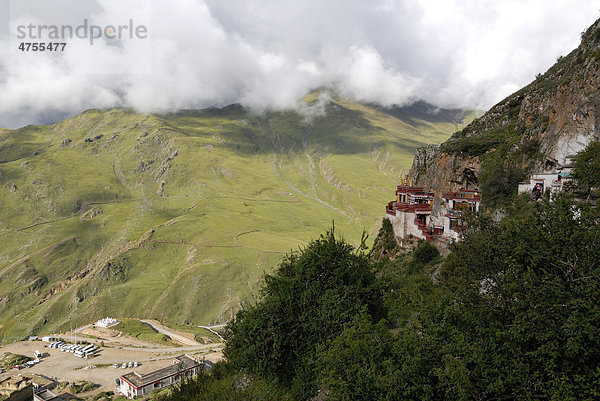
(41, 47)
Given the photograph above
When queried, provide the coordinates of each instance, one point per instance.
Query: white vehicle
(88, 348)
(79, 354)
(115, 365)
(124, 366)
(135, 364)
(130, 365)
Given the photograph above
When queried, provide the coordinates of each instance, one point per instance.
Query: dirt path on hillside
(211, 329)
(166, 331)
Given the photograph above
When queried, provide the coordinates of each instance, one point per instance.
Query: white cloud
(268, 54)
(365, 77)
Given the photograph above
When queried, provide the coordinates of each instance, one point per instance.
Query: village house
(136, 384)
(453, 208)
(410, 212)
(16, 388)
(559, 180)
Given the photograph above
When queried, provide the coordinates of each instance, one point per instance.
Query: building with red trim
(410, 212)
(453, 208)
(134, 384)
(559, 180)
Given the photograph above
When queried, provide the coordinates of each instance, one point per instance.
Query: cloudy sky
(266, 54)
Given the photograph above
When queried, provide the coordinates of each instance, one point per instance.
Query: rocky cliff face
(533, 129)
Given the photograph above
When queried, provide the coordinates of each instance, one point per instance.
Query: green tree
(525, 322)
(385, 243)
(499, 179)
(359, 364)
(306, 302)
(586, 167)
(425, 252)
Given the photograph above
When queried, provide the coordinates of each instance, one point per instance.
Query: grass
(136, 329)
(201, 334)
(96, 366)
(82, 387)
(177, 217)
(105, 395)
(9, 360)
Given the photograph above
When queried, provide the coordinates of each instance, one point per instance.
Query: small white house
(557, 181)
(107, 322)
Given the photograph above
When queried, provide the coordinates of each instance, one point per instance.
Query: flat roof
(45, 395)
(141, 380)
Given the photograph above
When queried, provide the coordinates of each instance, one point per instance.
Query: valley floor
(61, 366)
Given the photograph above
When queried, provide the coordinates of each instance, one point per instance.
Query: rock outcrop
(533, 129)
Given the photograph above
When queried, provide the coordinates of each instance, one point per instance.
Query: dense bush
(425, 252)
(306, 302)
(499, 181)
(385, 242)
(586, 168)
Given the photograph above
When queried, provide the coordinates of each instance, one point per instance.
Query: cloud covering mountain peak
(267, 55)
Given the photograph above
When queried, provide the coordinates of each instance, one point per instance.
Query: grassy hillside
(176, 217)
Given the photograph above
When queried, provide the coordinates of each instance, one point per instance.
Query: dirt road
(168, 332)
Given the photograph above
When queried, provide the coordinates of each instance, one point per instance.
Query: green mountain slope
(176, 217)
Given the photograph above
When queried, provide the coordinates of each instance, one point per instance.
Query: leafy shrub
(306, 302)
(82, 387)
(425, 252)
(586, 167)
(105, 395)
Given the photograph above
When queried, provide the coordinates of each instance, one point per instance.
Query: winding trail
(210, 328)
(165, 330)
